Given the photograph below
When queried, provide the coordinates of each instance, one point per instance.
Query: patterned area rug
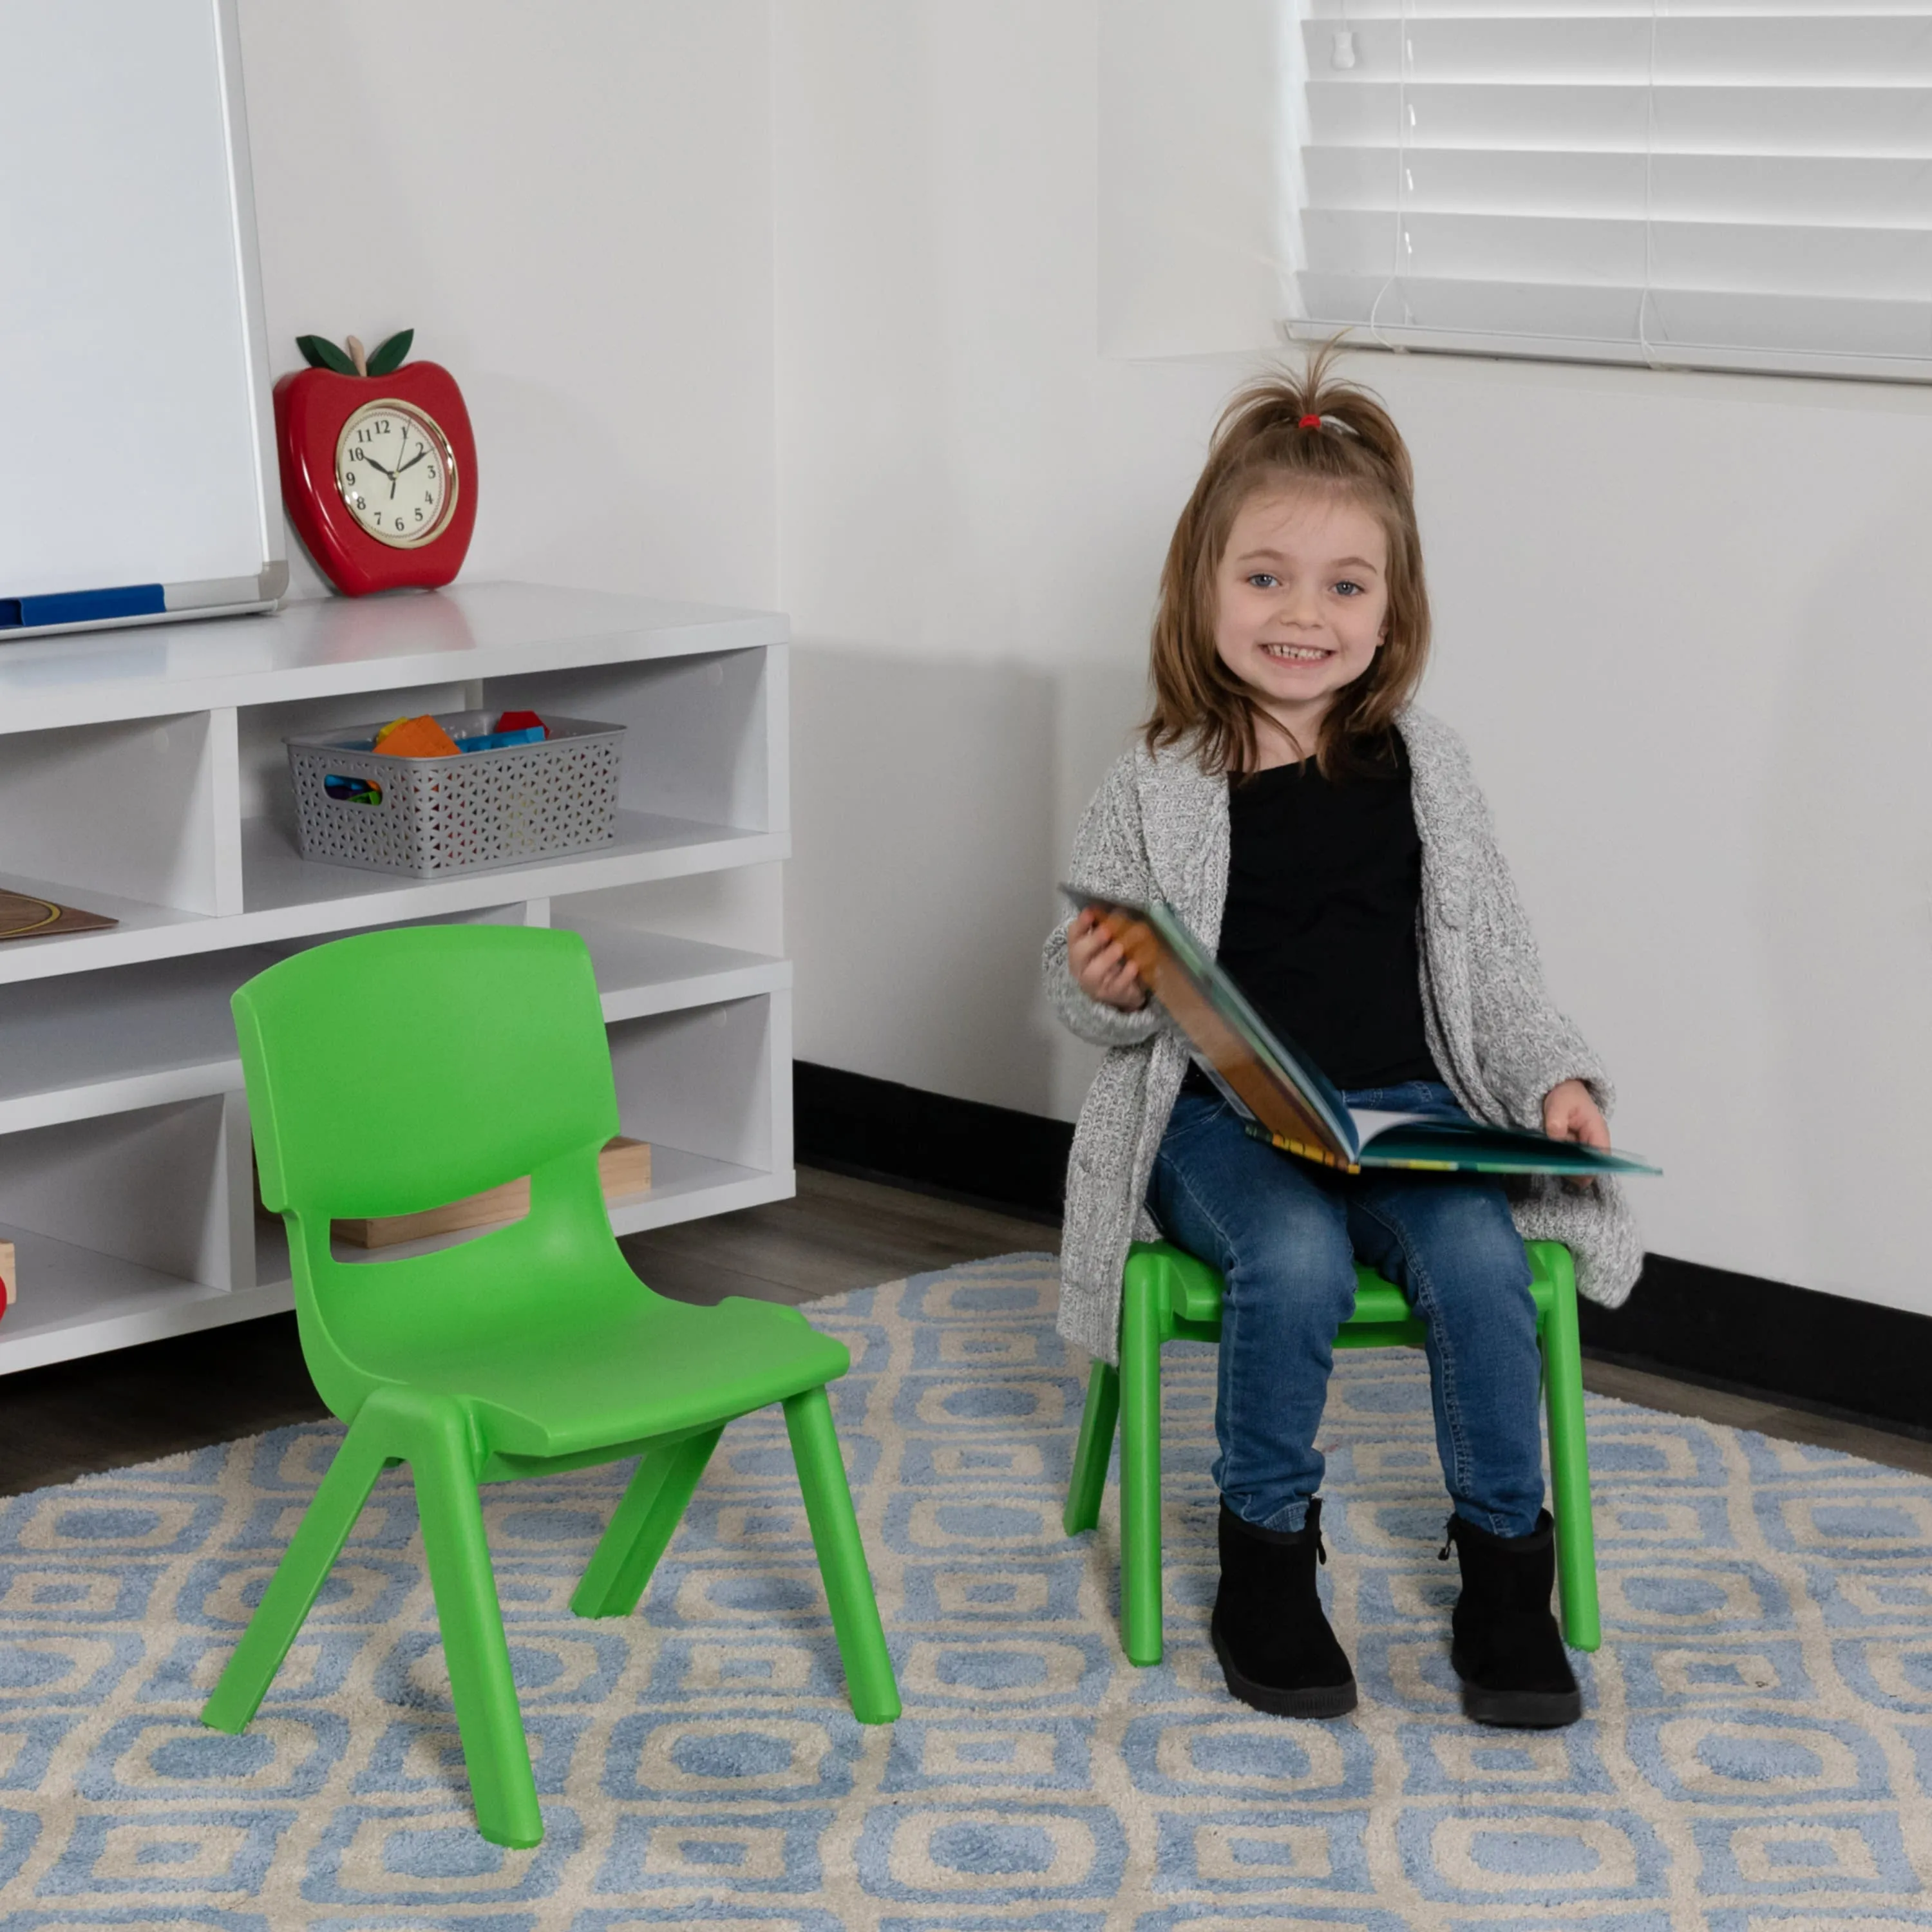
(1758, 1756)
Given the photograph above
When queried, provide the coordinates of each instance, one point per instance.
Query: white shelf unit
(143, 775)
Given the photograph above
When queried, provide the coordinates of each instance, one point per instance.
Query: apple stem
(358, 355)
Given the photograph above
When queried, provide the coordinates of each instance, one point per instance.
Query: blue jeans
(1285, 1235)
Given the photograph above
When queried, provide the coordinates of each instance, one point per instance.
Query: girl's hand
(1100, 969)
(1569, 1114)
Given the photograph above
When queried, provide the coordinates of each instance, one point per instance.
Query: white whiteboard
(134, 394)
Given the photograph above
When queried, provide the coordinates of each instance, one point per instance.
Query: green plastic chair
(1167, 1295)
(397, 1071)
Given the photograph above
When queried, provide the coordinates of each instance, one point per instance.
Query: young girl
(1326, 836)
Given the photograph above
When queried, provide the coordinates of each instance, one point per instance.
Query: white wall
(1681, 619)
(572, 207)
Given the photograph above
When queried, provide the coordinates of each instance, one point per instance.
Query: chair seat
(1195, 1288)
(654, 1368)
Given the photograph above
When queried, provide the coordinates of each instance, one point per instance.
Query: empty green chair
(1167, 1295)
(397, 1071)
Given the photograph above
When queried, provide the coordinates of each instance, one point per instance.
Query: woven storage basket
(430, 816)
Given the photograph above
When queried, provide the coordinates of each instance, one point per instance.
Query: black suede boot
(1276, 1650)
(1505, 1646)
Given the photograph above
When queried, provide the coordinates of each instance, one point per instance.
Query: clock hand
(415, 459)
(371, 462)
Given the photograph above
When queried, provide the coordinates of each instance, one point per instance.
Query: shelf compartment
(145, 931)
(142, 809)
(706, 1079)
(686, 1187)
(132, 1036)
(640, 973)
(705, 736)
(77, 1301)
(166, 1188)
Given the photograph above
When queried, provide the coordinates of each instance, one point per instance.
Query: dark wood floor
(107, 1411)
(104, 1412)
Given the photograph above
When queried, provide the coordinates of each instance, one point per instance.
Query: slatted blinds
(1714, 184)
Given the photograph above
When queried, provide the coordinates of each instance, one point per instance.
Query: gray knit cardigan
(1158, 827)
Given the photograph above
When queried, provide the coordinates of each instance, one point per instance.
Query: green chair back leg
(402, 1070)
(1167, 1295)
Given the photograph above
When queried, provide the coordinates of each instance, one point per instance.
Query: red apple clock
(378, 465)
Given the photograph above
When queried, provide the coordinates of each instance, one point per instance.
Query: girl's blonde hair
(1263, 442)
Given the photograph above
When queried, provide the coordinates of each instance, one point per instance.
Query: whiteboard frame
(231, 595)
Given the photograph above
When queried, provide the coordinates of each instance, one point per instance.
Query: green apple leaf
(319, 353)
(389, 357)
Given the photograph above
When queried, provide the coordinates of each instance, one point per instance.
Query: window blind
(1714, 184)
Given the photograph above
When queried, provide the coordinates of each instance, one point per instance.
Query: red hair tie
(1310, 422)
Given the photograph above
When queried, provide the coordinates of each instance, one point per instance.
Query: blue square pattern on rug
(1757, 1755)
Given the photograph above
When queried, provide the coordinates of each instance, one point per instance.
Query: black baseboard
(963, 1149)
(1796, 1345)
(1793, 1346)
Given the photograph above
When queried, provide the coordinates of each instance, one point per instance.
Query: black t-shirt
(1319, 930)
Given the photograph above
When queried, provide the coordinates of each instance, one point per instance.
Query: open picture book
(1285, 1097)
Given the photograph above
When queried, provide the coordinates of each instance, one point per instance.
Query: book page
(1370, 1121)
(1427, 1141)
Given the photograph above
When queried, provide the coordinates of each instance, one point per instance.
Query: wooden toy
(624, 1168)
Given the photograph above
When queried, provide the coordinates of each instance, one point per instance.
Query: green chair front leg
(841, 1558)
(495, 1749)
(1569, 1454)
(298, 1578)
(1141, 1607)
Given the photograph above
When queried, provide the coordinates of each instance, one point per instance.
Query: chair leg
(841, 1558)
(298, 1580)
(1140, 1471)
(494, 1747)
(647, 1519)
(1093, 1450)
(1570, 1465)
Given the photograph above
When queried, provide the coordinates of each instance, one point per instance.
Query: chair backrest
(398, 1071)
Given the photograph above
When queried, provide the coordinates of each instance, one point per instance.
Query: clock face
(393, 468)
